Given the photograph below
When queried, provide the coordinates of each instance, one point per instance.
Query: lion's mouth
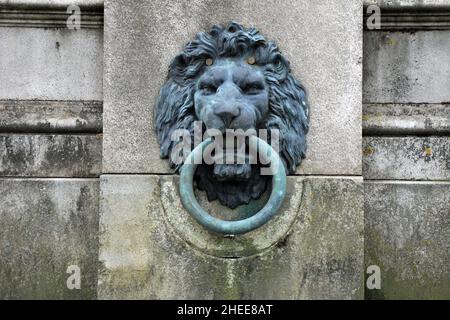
(232, 162)
(236, 172)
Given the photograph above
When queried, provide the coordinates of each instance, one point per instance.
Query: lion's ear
(177, 68)
(174, 110)
(281, 67)
(185, 68)
(289, 113)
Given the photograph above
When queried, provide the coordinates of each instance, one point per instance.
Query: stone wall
(406, 149)
(50, 148)
(81, 182)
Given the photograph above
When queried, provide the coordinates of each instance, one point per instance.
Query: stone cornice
(93, 5)
(410, 5)
(49, 14)
(411, 14)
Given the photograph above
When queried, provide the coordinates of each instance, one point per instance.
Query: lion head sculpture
(232, 78)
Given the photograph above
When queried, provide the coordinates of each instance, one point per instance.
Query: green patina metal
(240, 226)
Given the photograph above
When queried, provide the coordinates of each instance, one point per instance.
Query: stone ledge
(398, 119)
(37, 116)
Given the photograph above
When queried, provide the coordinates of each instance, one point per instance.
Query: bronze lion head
(232, 78)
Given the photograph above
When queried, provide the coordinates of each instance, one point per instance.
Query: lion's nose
(227, 115)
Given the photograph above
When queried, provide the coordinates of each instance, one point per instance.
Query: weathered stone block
(404, 158)
(407, 234)
(406, 67)
(51, 64)
(25, 155)
(322, 40)
(46, 226)
(150, 248)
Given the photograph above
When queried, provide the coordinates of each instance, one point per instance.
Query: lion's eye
(254, 88)
(208, 88)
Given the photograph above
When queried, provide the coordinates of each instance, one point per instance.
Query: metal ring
(239, 226)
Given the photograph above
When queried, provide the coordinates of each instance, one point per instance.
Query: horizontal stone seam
(56, 132)
(407, 181)
(404, 133)
(175, 174)
(375, 104)
(366, 103)
(325, 175)
(27, 130)
(3, 101)
(48, 178)
(407, 29)
(76, 134)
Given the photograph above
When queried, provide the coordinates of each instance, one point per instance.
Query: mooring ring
(239, 226)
